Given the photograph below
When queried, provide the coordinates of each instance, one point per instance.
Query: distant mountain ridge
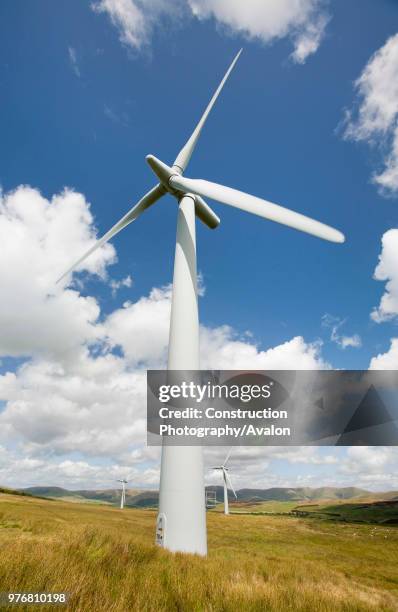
(302, 493)
(142, 498)
(134, 497)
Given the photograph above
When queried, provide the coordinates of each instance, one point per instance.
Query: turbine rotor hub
(165, 173)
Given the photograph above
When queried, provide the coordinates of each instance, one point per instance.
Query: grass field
(106, 560)
(385, 512)
(268, 507)
(363, 511)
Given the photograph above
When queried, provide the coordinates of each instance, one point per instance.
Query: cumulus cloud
(373, 468)
(335, 323)
(94, 406)
(387, 270)
(223, 348)
(387, 360)
(39, 239)
(61, 397)
(367, 459)
(73, 412)
(308, 40)
(75, 474)
(141, 329)
(304, 21)
(81, 389)
(375, 118)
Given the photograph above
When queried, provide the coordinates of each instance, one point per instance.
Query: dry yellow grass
(106, 560)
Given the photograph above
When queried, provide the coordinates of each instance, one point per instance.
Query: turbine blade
(150, 198)
(182, 159)
(228, 479)
(256, 206)
(227, 457)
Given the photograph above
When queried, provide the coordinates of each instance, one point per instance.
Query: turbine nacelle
(165, 173)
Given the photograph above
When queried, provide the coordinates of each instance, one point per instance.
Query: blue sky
(80, 108)
(273, 133)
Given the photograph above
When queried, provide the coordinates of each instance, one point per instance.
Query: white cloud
(352, 341)
(136, 19)
(387, 270)
(250, 467)
(304, 21)
(388, 360)
(309, 40)
(222, 348)
(127, 17)
(373, 468)
(335, 323)
(39, 239)
(376, 119)
(124, 282)
(65, 399)
(68, 473)
(365, 459)
(300, 454)
(93, 405)
(141, 329)
(73, 61)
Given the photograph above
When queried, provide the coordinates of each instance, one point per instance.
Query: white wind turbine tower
(226, 481)
(181, 522)
(123, 495)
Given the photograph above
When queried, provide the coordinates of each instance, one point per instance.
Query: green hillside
(134, 497)
(382, 512)
(301, 493)
(141, 498)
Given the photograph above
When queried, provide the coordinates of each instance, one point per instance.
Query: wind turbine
(226, 481)
(123, 496)
(181, 522)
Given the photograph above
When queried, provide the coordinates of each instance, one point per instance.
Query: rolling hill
(302, 493)
(140, 498)
(134, 497)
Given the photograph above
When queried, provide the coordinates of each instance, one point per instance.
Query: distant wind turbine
(123, 495)
(181, 522)
(226, 481)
